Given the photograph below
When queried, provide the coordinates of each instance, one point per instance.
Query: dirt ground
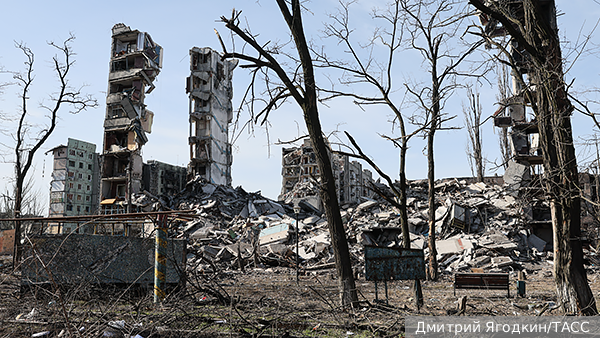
(263, 302)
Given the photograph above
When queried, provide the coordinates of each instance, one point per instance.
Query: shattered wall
(134, 65)
(210, 108)
(163, 179)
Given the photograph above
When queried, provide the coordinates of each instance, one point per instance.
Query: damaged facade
(75, 181)
(163, 179)
(523, 135)
(210, 108)
(299, 170)
(134, 64)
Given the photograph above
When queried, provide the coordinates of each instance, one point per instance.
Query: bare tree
(433, 26)
(475, 144)
(31, 204)
(298, 83)
(504, 92)
(28, 140)
(532, 24)
(363, 67)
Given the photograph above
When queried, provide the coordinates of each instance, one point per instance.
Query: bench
(490, 281)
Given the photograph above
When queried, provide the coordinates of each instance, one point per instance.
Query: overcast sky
(180, 25)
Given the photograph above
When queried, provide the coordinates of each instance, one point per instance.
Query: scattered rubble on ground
(479, 226)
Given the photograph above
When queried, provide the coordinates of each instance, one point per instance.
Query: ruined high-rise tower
(210, 91)
(135, 61)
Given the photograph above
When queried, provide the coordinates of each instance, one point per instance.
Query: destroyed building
(522, 171)
(299, 168)
(75, 181)
(354, 181)
(135, 62)
(163, 179)
(210, 108)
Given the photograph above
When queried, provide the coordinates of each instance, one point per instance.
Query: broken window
(79, 197)
(79, 186)
(79, 208)
(89, 177)
(198, 59)
(89, 167)
(199, 128)
(56, 197)
(87, 209)
(220, 71)
(116, 111)
(199, 104)
(121, 190)
(69, 197)
(80, 165)
(69, 207)
(116, 140)
(71, 174)
(71, 163)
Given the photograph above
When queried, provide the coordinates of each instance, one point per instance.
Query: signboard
(383, 264)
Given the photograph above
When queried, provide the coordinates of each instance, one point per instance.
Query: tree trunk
(328, 190)
(402, 197)
(432, 271)
(17, 214)
(553, 114)
(337, 232)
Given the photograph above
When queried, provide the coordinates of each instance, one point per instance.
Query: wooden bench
(490, 281)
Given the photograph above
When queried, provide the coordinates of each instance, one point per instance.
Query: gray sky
(179, 25)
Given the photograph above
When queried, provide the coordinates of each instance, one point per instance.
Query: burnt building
(210, 113)
(135, 62)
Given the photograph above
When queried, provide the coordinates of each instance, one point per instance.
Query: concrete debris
(536, 242)
(502, 261)
(478, 226)
(453, 245)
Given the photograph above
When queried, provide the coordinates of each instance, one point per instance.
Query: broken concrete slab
(516, 174)
(277, 233)
(480, 261)
(536, 242)
(453, 245)
(501, 261)
(366, 205)
(303, 254)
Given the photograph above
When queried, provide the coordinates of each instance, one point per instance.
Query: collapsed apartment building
(210, 92)
(135, 62)
(75, 182)
(163, 179)
(300, 170)
(523, 172)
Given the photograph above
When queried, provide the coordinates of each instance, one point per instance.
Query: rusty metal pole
(297, 211)
(160, 262)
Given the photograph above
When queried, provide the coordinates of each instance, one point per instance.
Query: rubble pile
(478, 226)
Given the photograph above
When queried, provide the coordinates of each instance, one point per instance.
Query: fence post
(160, 262)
